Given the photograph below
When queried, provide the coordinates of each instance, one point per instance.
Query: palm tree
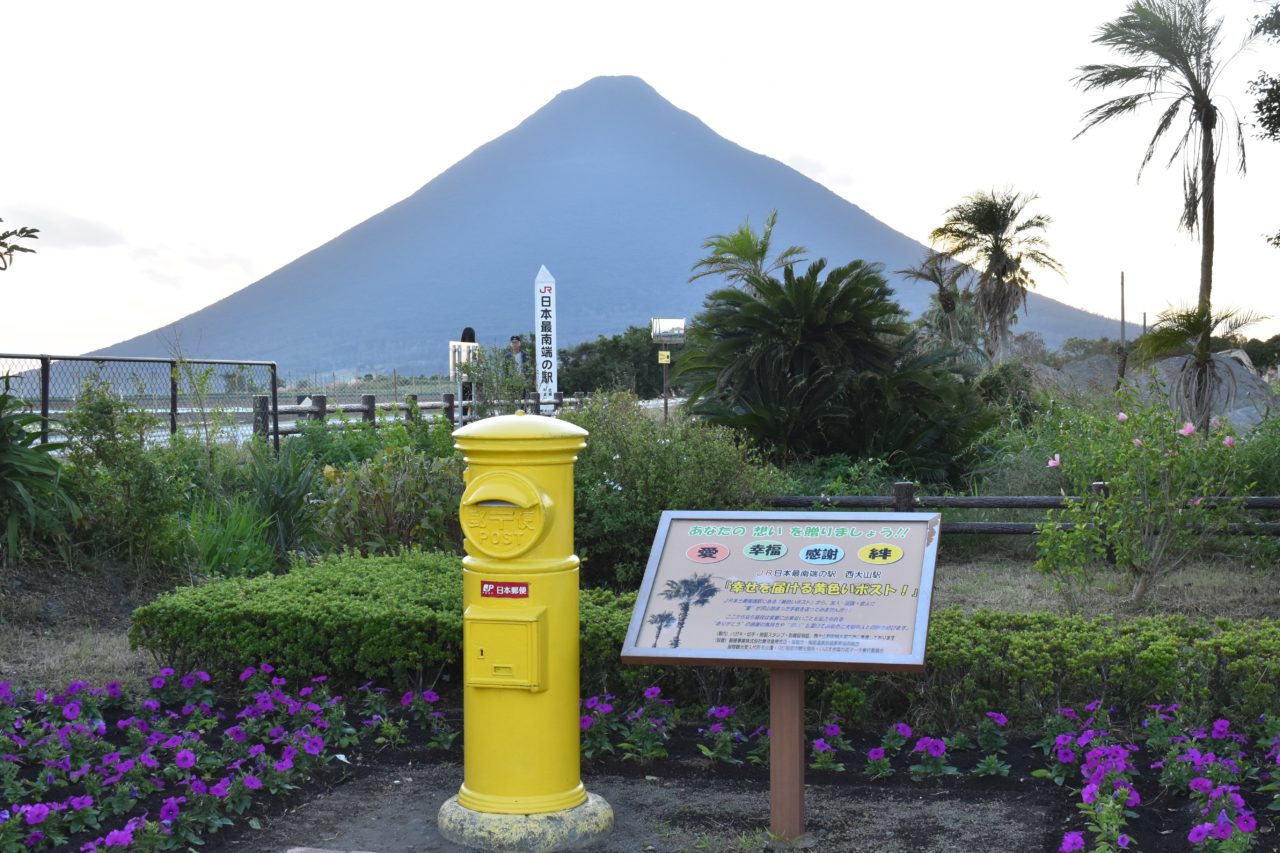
(695, 590)
(1179, 330)
(941, 324)
(1173, 48)
(780, 358)
(9, 243)
(987, 231)
(744, 254)
(661, 620)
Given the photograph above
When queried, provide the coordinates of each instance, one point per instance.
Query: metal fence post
(173, 397)
(904, 496)
(275, 409)
(370, 408)
(261, 413)
(44, 399)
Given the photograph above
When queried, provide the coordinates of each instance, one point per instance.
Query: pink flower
(1055, 461)
(1229, 441)
(1137, 442)
(1121, 417)
(1187, 429)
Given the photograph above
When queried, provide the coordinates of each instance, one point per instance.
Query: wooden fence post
(321, 402)
(370, 404)
(533, 402)
(1100, 489)
(448, 409)
(904, 496)
(261, 415)
(558, 406)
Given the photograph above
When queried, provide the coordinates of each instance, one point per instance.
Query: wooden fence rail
(904, 499)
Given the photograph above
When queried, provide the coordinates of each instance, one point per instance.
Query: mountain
(609, 186)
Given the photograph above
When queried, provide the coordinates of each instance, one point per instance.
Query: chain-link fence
(188, 395)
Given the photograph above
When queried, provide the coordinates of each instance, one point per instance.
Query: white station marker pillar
(544, 338)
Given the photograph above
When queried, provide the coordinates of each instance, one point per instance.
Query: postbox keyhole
(482, 652)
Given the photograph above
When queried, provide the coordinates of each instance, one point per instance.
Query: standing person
(468, 337)
(516, 353)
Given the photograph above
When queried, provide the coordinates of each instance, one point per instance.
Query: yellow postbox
(520, 635)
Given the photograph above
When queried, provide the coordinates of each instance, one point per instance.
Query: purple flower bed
(95, 768)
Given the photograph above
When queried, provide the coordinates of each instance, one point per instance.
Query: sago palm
(987, 231)
(780, 357)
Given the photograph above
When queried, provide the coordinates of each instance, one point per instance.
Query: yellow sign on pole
(664, 356)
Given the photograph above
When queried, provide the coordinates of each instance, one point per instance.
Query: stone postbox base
(571, 829)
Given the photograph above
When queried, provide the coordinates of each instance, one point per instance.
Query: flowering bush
(1164, 493)
(90, 768)
(932, 761)
(648, 727)
(724, 737)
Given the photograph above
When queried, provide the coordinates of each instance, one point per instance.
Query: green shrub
(342, 442)
(398, 499)
(283, 488)
(635, 467)
(229, 539)
(1260, 457)
(32, 497)
(1159, 505)
(133, 503)
(353, 618)
(396, 618)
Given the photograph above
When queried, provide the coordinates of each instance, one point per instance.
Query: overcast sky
(173, 153)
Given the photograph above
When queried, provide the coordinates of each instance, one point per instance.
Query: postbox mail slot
(505, 648)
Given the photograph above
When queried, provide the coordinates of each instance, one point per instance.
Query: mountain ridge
(608, 185)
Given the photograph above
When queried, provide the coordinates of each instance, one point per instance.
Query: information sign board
(810, 590)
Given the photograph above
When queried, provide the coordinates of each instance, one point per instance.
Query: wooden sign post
(787, 591)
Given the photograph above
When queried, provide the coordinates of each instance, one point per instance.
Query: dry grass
(1233, 588)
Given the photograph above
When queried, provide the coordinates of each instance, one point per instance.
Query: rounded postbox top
(527, 439)
(520, 426)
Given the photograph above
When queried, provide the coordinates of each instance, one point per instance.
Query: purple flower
(1066, 756)
(902, 729)
(1199, 832)
(71, 710)
(652, 692)
(187, 682)
(252, 782)
(430, 697)
(720, 712)
(80, 803)
(585, 722)
(875, 753)
(35, 814)
(592, 703)
(185, 759)
(999, 719)
(247, 674)
(170, 809)
(715, 728)
(821, 745)
(937, 748)
(1071, 842)
(831, 730)
(314, 745)
(267, 668)
(119, 837)
(222, 788)
(1123, 841)
(157, 683)
(1221, 728)
(604, 708)
(237, 734)
(1200, 785)
(1246, 823)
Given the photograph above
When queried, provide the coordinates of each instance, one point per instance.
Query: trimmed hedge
(396, 619)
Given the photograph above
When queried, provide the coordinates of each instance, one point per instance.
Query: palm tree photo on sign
(693, 591)
(988, 232)
(1172, 50)
(661, 620)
